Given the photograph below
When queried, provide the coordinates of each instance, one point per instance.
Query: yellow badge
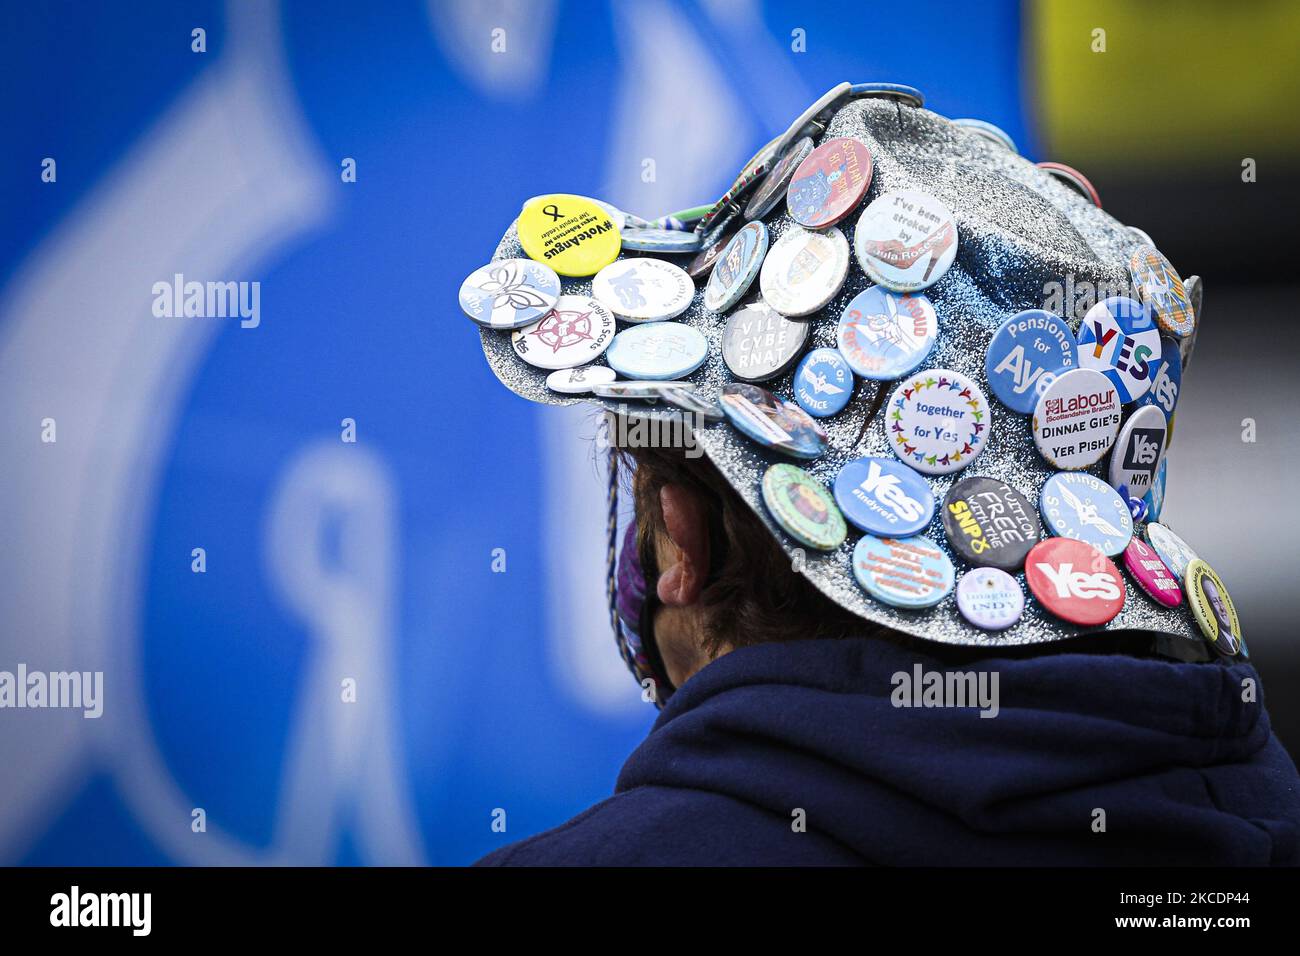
(1212, 608)
(571, 234)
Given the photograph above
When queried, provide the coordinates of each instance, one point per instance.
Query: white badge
(643, 289)
(573, 333)
(1076, 419)
(804, 270)
(579, 381)
(937, 421)
(906, 240)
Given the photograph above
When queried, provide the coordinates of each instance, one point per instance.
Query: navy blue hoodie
(1184, 770)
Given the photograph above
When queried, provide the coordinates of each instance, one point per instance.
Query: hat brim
(1020, 230)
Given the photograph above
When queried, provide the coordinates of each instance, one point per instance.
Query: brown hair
(753, 594)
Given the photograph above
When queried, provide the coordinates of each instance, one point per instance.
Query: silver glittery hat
(1022, 231)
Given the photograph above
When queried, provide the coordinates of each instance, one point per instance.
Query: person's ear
(682, 576)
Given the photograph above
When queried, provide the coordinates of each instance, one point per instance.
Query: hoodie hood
(1090, 759)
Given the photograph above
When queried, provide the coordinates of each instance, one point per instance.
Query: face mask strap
(611, 543)
(644, 661)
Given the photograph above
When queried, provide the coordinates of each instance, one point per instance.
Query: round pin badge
(1213, 609)
(989, 523)
(910, 573)
(772, 189)
(1075, 581)
(803, 508)
(881, 496)
(1173, 550)
(735, 269)
(691, 401)
(1161, 287)
(990, 599)
(772, 422)
(673, 241)
(823, 383)
(1118, 337)
(1151, 574)
(1081, 506)
(1027, 353)
(1138, 451)
(1074, 179)
(759, 343)
(573, 235)
(1195, 295)
(938, 421)
(1076, 419)
(1166, 383)
(579, 381)
(804, 270)
(829, 183)
(643, 290)
(988, 132)
(642, 391)
(575, 332)
(658, 351)
(509, 293)
(716, 243)
(885, 335)
(906, 240)
(907, 95)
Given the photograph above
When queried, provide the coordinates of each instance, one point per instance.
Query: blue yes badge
(1167, 381)
(884, 496)
(1026, 355)
(823, 384)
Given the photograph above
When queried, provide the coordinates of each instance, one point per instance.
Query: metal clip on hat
(1012, 356)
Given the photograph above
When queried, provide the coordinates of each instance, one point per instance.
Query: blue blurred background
(372, 560)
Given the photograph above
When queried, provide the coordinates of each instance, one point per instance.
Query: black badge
(716, 242)
(759, 343)
(989, 523)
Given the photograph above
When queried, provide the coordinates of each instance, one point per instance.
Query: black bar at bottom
(335, 905)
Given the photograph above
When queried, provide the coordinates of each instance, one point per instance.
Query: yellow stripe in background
(1172, 75)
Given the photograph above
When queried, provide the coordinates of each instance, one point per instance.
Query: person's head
(716, 577)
